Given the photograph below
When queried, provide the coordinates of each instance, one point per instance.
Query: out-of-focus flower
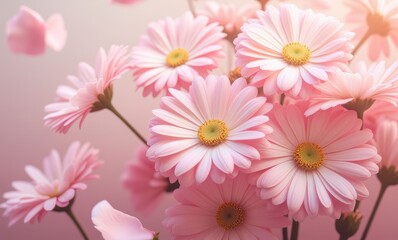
(215, 129)
(92, 84)
(230, 16)
(288, 50)
(386, 141)
(231, 210)
(315, 165)
(379, 111)
(116, 225)
(125, 2)
(147, 187)
(53, 187)
(175, 51)
(358, 90)
(376, 19)
(28, 33)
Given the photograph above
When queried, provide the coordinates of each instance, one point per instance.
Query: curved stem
(191, 6)
(282, 99)
(376, 206)
(295, 229)
(76, 222)
(284, 233)
(361, 42)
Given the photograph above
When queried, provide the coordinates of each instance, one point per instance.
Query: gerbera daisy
(358, 91)
(229, 16)
(378, 112)
(116, 225)
(231, 210)
(147, 187)
(53, 187)
(215, 129)
(376, 20)
(315, 165)
(74, 103)
(175, 51)
(287, 50)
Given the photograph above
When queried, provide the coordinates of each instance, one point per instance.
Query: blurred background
(29, 83)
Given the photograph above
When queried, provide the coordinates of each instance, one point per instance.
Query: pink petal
(56, 32)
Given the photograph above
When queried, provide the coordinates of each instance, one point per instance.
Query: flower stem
(376, 206)
(361, 42)
(284, 233)
(191, 6)
(76, 222)
(295, 229)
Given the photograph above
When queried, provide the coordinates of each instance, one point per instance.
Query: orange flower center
(230, 215)
(308, 156)
(213, 132)
(177, 57)
(296, 54)
(378, 24)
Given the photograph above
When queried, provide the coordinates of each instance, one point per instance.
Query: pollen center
(213, 132)
(377, 24)
(177, 57)
(230, 215)
(296, 54)
(308, 156)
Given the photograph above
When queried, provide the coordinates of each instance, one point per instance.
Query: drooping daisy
(229, 16)
(53, 187)
(231, 210)
(287, 50)
(315, 165)
(28, 33)
(386, 141)
(74, 103)
(376, 20)
(358, 90)
(174, 51)
(147, 187)
(378, 112)
(215, 129)
(116, 225)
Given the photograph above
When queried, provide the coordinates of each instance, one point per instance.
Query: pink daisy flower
(74, 103)
(358, 90)
(215, 129)
(175, 51)
(28, 33)
(147, 187)
(229, 16)
(386, 141)
(116, 225)
(382, 26)
(231, 210)
(316, 165)
(378, 112)
(287, 50)
(53, 187)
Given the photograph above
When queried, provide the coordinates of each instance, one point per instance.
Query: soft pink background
(29, 83)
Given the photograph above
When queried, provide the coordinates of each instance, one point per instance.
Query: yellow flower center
(308, 156)
(230, 215)
(296, 54)
(378, 24)
(213, 132)
(177, 57)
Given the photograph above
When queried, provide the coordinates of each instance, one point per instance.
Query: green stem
(76, 222)
(295, 229)
(284, 233)
(361, 42)
(376, 206)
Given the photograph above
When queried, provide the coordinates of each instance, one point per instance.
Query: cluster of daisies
(292, 131)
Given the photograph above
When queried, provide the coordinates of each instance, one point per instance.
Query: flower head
(229, 16)
(358, 90)
(53, 187)
(231, 210)
(28, 33)
(175, 51)
(147, 187)
(315, 165)
(382, 27)
(287, 50)
(116, 225)
(74, 103)
(215, 129)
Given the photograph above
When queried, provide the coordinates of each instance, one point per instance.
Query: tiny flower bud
(388, 175)
(347, 225)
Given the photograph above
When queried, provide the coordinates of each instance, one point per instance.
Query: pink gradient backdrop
(29, 83)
